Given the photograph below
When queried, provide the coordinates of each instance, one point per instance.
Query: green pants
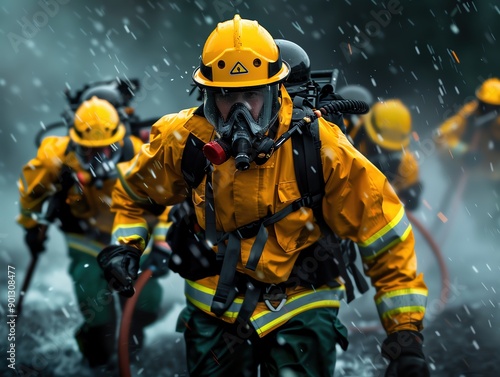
(304, 346)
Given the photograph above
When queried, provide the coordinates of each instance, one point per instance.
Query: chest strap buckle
(274, 297)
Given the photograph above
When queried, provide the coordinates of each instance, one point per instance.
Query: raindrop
(454, 28)
(281, 341)
(476, 346)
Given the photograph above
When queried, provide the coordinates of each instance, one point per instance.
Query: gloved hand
(35, 239)
(158, 259)
(120, 264)
(404, 350)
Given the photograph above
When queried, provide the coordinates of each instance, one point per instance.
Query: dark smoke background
(431, 54)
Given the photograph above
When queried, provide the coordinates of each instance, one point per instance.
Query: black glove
(158, 259)
(35, 239)
(404, 350)
(120, 264)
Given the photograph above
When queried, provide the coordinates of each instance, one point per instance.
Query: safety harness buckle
(274, 297)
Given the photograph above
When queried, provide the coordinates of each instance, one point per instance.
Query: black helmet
(300, 65)
(108, 91)
(356, 92)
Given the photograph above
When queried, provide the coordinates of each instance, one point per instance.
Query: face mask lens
(93, 156)
(259, 106)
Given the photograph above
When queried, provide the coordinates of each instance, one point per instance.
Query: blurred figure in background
(469, 146)
(383, 136)
(73, 177)
(471, 137)
(356, 92)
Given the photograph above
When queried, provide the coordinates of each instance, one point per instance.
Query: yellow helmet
(240, 53)
(96, 124)
(389, 124)
(489, 92)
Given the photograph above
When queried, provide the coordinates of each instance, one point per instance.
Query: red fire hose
(445, 278)
(128, 312)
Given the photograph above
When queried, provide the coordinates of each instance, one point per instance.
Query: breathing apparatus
(240, 59)
(239, 74)
(245, 132)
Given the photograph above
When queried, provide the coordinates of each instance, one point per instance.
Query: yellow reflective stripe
(130, 232)
(262, 329)
(202, 297)
(385, 229)
(129, 191)
(325, 297)
(395, 231)
(399, 292)
(83, 244)
(162, 227)
(160, 231)
(407, 309)
(402, 301)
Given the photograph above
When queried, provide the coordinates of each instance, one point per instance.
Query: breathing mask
(242, 119)
(99, 163)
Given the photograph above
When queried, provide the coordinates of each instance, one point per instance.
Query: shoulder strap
(307, 161)
(194, 162)
(309, 173)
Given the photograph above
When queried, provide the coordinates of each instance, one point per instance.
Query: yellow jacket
(39, 180)
(459, 134)
(359, 204)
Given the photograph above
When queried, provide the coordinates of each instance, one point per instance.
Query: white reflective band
(400, 301)
(202, 297)
(129, 231)
(394, 232)
(320, 298)
(83, 244)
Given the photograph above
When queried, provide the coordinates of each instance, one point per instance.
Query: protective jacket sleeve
(147, 184)
(360, 204)
(449, 135)
(38, 179)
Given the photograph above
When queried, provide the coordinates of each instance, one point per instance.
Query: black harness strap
(309, 173)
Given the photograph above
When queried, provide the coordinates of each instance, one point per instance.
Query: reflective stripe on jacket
(264, 320)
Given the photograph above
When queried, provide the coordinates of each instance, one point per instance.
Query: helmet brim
(119, 135)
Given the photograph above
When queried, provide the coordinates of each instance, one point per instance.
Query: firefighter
(259, 309)
(383, 136)
(355, 92)
(76, 175)
(471, 137)
(469, 149)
